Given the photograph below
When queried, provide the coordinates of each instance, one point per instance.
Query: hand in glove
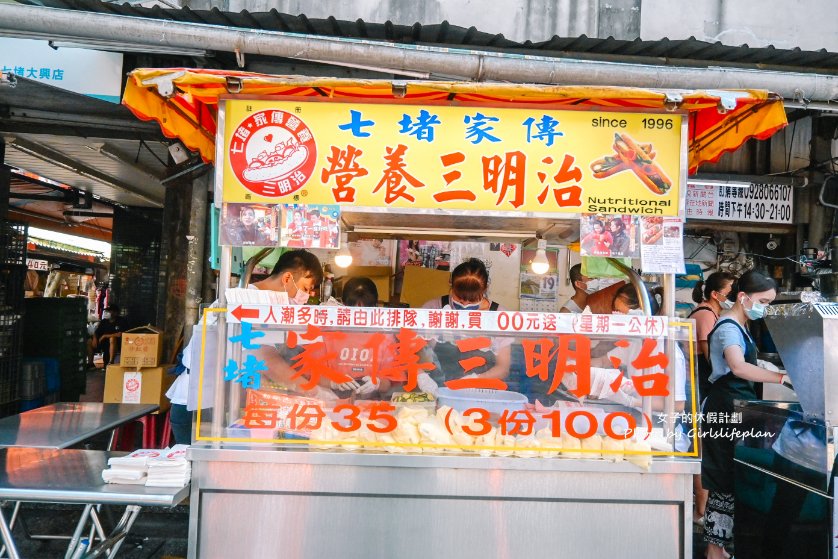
(427, 384)
(351, 384)
(768, 366)
(601, 380)
(369, 386)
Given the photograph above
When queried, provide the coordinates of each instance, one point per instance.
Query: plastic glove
(351, 384)
(368, 387)
(767, 365)
(624, 398)
(427, 384)
(601, 380)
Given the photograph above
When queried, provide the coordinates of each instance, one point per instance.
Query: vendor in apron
(363, 356)
(469, 283)
(733, 356)
(711, 295)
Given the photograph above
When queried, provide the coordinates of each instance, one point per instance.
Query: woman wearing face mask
(469, 283)
(733, 355)
(712, 298)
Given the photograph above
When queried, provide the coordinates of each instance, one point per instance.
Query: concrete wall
(803, 23)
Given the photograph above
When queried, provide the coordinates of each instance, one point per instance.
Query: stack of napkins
(170, 469)
(131, 469)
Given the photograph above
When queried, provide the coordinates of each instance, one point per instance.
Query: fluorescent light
(72, 240)
(540, 264)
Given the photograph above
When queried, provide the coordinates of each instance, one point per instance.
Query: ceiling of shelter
(86, 144)
(100, 147)
(662, 51)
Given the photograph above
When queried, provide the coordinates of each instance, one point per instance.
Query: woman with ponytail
(712, 298)
(733, 355)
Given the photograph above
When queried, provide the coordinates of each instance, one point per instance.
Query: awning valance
(184, 103)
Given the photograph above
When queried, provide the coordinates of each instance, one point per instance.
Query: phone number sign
(766, 203)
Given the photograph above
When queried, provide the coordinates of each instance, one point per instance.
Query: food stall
(540, 459)
(786, 464)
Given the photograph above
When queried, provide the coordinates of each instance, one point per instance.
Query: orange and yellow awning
(184, 102)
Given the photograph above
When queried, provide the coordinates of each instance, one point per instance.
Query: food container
(493, 401)
(399, 401)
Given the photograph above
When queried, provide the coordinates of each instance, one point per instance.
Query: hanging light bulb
(540, 264)
(343, 259)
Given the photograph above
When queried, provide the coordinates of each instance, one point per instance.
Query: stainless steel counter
(65, 424)
(74, 476)
(381, 459)
(370, 505)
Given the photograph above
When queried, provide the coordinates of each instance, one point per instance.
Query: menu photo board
(412, 156)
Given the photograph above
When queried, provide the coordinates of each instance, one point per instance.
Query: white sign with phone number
(767, 203)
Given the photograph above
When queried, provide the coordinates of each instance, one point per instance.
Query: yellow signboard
(420, 156)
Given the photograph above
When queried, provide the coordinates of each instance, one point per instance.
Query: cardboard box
(130, 385)
(141, 347)
(423, 284)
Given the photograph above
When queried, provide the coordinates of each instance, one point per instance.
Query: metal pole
(6, 533)
(461, 64)
(218, 415)
(669, 311)
(195, 253)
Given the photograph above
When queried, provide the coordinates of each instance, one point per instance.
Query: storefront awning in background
(184, 102)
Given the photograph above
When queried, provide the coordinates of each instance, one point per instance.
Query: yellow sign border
(376, 444)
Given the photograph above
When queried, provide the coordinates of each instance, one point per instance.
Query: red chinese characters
(396, 175)
(570, 354)
(565, 195)
(499, 175)
(345, 168)
(449, 160)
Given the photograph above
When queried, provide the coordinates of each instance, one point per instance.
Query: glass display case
(584, 419)
(429, 381)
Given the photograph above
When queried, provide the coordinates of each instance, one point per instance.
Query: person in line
(597, 242)
(469, 284)
(712, 298)
(583, 286)
(107, 336)
(620, 242)
(733, 355)
(363, 356)
(297, 273)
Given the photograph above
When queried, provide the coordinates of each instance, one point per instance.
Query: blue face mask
(756, 311)
(460, 307)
